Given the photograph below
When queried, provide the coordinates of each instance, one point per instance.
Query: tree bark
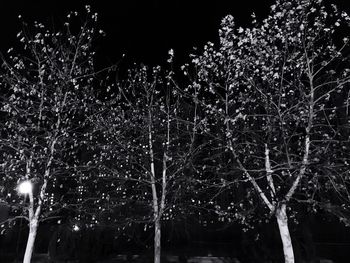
(33, 227)
(157, 244)
(282, 221)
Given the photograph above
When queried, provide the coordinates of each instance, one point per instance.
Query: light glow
(25, 187)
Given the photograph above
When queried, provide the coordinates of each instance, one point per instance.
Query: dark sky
(143, 29)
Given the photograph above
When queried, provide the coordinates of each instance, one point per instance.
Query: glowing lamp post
(25, 187)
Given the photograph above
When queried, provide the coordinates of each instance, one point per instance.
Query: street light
(25, 187)
(76, 228)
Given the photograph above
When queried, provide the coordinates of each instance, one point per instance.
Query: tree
(146, 147)
(47, 93)
(270, 94)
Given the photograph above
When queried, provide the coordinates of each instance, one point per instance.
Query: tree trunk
(282, 221)
(33, 227)
(157, 244)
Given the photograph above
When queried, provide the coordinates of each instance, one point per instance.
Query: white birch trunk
(157, 238)
(282, 221)
(156, 213)
(33, 228)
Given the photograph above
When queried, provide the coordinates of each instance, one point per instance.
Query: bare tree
(45, 100)
(147, 147)
(269, 93)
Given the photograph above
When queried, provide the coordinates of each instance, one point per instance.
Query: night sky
(142, 29)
